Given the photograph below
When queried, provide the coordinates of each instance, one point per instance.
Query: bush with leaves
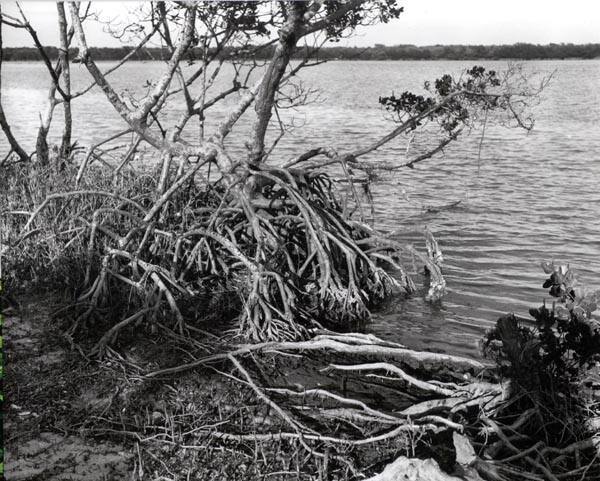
(565, 339)
(549, 362)
(475, 90)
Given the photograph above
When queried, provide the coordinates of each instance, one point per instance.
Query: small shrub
(547, 362)
(565, 339)
(53, 253)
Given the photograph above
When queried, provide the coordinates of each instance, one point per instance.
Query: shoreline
(518, 51)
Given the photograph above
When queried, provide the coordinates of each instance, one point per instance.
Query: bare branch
(410, 164)
(85, 57)
(42, 52)
(14, 144)
(183, 43)
(129, 55)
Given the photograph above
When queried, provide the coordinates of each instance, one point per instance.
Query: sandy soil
(56, 457)
(43, 397)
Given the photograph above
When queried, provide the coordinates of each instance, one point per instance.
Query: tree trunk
(63, 56)
(288, 36)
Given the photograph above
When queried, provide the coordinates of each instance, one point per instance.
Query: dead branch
(14, 144)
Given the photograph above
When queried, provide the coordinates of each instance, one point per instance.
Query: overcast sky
(424, 22)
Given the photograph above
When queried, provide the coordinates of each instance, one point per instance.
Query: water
(525, 197)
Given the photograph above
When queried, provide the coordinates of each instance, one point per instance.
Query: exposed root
(335, 411)
(294, 259)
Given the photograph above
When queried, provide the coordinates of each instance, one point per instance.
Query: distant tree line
(521, 51)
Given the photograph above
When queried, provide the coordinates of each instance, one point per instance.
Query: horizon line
(375, 45)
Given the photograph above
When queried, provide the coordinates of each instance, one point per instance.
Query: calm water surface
(525, 197)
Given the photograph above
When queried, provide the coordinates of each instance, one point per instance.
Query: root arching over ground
(355, 402)
(334, 406)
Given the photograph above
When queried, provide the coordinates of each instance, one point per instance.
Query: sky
(424, 22)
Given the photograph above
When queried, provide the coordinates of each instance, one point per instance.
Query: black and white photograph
(330, 240)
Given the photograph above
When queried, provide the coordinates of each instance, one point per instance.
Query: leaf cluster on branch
(566, 337)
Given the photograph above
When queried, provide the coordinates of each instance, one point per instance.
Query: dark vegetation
(517, 51)
(554, 369)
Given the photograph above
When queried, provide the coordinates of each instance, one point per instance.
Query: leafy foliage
(475, 89)
(550, 365)
(564, 343)
(571, 335)
(245, 16)
(377, 11)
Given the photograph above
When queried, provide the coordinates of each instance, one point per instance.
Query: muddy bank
(70, 418)
(153, 409)
(47, 399)
(56, 457)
